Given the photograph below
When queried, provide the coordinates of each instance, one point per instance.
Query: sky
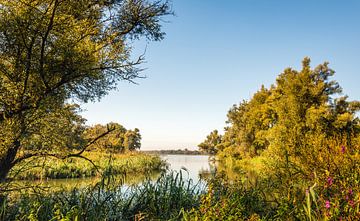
(218, 53)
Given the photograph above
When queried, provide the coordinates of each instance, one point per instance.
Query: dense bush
(230, 201)
(301, 140)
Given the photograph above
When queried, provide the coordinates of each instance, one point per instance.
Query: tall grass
(43, 168)
(162, 199)
(233, 200)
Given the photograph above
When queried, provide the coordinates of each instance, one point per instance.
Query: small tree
(211, 143)
(132, 140)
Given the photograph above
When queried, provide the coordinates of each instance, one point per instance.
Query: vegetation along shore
(290, 151)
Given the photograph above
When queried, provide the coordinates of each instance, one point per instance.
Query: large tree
(53, 51)
(300, 106)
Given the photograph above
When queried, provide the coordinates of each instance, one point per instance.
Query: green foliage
(250, 124)
(118, 140)
(53, 168)
(62, 128)
(165, 198)
(305, 133)
(212, 143)
(230, 201)
(55, 51)
(132, 140)
(300, 104)
(159, 200)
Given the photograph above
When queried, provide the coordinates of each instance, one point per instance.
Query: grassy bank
(52, 168)
(164, 199)
(249, 189)
(173, 197)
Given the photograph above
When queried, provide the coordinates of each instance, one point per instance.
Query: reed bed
(163, 199)
(51, 168)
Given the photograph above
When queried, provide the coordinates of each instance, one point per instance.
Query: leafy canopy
(300, 140)
(119, 140)
(53, 51)
(300, 104)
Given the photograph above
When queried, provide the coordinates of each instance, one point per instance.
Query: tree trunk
(7, 159)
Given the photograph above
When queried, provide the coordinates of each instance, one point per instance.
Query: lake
(192, 166)
(195, 165)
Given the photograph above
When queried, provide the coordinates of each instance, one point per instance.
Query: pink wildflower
(327, 204)
(343, 149)
(351, 203)
(330, 181)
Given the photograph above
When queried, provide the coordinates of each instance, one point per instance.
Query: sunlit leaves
(306, 134)
(53, 51)
(118, 140)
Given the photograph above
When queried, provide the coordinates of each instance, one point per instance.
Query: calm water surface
(195, 165)
(192, 166)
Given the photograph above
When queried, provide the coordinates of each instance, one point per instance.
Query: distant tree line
(178, 151)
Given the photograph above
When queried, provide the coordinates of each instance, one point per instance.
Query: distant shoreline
(183, 152)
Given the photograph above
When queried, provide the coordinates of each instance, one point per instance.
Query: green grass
(250, 192)
(173, 197)
(163, 199)
(52, 168)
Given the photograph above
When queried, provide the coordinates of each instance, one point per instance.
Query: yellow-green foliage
(299, 104)
(298, 134)
(53, 51)
(211, 144)
(224, 201)
(327, 165)
(132, 162)
(118, 141)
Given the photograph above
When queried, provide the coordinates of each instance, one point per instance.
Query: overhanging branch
(63, 157)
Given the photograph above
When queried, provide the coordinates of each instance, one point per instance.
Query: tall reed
(162, 199)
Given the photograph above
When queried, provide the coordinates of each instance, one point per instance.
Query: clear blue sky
(217, 53)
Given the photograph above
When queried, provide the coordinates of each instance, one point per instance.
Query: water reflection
(80, 183)
(198, 166)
